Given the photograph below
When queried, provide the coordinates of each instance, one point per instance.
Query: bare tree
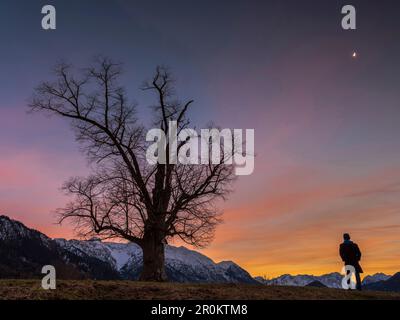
(125, 197)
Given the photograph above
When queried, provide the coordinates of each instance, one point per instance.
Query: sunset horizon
(278, 268)
(78, 103)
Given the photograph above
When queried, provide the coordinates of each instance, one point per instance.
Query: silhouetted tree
(126, 197)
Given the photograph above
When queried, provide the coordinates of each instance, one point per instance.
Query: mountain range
(24, 251)
(330, 280)
(390, 284)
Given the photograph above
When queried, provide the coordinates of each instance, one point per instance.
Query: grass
(133, 290)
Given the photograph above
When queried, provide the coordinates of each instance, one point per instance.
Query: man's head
(346, 236)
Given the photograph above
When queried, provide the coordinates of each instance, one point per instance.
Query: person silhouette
(351, 255)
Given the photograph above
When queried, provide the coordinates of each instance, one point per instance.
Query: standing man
(351, 255)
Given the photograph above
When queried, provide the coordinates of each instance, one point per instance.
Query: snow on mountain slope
(109, 260)
(331, 280)
(183, 255)
(197, 267)
(122, 253)
(25, 251)
(375, 278)
(11, 230)
(390, 284)
(116, 254)
(182, 264)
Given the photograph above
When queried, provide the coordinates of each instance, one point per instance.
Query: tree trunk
(153, 258)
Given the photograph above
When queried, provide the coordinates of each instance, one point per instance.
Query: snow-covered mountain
(390, 284)
(331, 280)
(24, 251)
(182, 264)
(375, 278)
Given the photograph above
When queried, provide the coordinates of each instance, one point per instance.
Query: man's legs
(358, 281)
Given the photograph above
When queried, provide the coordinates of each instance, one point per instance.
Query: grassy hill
(121, 290)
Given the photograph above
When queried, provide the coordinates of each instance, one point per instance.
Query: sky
(326, 125)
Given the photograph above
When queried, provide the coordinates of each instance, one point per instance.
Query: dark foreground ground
(122, 290)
